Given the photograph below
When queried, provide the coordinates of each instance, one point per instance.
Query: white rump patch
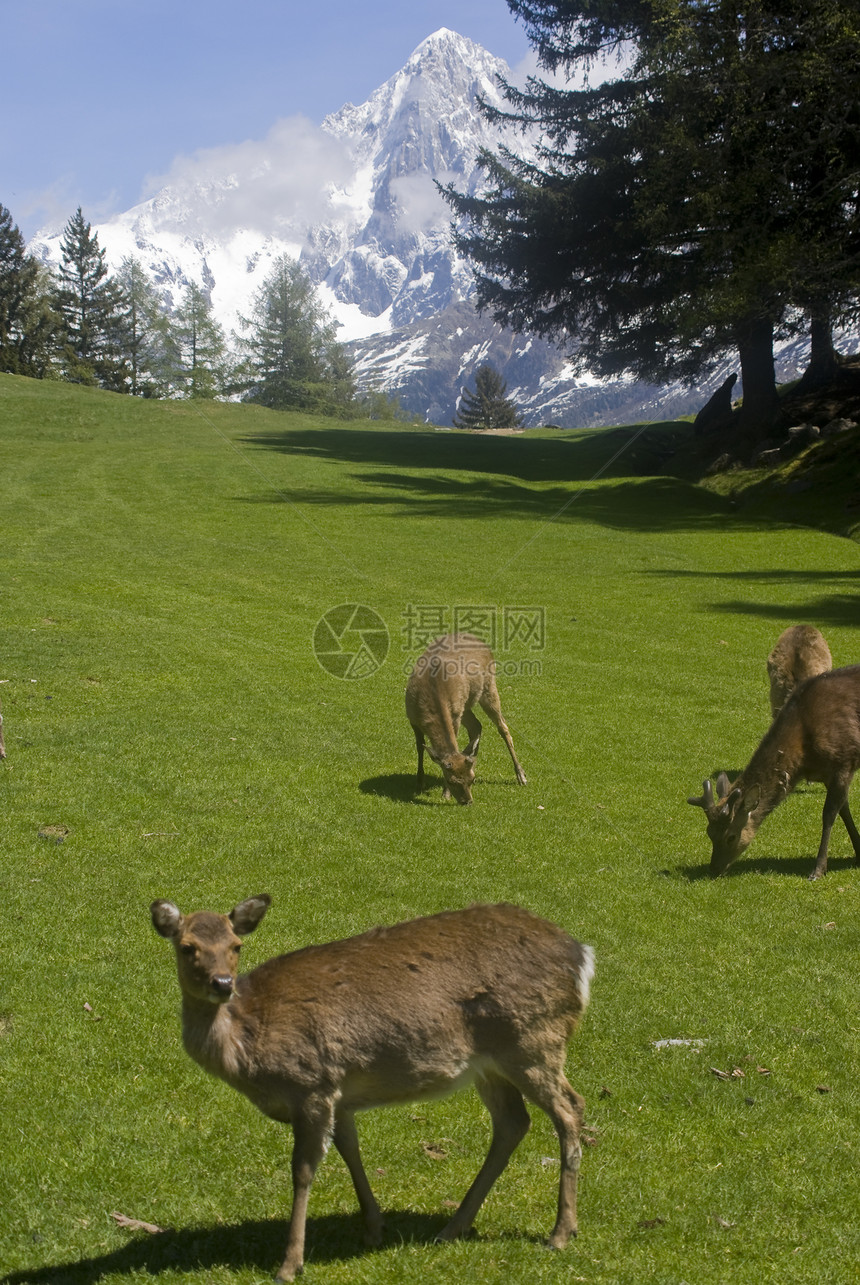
(586, 972)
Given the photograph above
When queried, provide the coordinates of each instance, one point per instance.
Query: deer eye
(187, 949)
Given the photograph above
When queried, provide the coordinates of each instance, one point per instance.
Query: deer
(456, 672)
(488, 995)
(800, 652)
(815, 737)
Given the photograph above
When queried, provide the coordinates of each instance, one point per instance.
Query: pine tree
(27, 322)
(488, 406)
(93, 311)
(151, 346)
(690, 205)
(293, 360)
(201, 351)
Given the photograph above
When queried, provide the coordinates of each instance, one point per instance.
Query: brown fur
(800, 652)
(815, 737)
(455, 673)
(488, 995)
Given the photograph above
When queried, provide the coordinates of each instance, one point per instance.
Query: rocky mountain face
(356, 200)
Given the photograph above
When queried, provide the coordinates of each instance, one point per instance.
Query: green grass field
(164, 567)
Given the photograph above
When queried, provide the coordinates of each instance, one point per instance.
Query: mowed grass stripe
(162, 588)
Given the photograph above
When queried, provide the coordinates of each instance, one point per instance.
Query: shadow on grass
(507, 468)
(796, 867)
(258, 1246)
(633, 449)
(400, 787)
(837, 609)
(651, 504)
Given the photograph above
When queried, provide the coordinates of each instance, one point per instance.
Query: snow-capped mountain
(356, 200)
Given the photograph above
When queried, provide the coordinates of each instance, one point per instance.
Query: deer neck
(440, 730)
(773, 770)
(212, 1036)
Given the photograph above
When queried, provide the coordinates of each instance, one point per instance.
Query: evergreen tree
(201, 369)
(151, 347)
(93, 311)
(488, 406)
(293, 360)
(678, 210)
(27, 322)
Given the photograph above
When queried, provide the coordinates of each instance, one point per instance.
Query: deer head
(458, 771)
(731, 827)
(207, 945)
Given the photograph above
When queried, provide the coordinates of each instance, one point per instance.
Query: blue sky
(102, 96)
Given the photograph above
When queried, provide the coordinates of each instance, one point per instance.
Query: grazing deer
(488, 995)
(815, 737)
(800, 652)
(454, 673)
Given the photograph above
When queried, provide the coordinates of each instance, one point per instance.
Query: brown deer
(456, 672)
(815, 737)
(489, 995)
(800, 652)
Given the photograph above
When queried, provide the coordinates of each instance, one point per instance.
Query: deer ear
(247, 915)
(437, 758)
(471, 759)
(167, 919)
(752, 799)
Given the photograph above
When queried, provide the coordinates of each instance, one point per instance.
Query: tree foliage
(151, 347)
(293, 360)
(700, 200)
(28, 323)
(488, 406)
(93, 311)
(201, 367)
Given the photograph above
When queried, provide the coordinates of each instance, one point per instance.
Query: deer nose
(223, 986)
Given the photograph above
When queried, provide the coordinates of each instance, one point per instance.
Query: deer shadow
(256, 1246)
(798, 867)
(402, 787)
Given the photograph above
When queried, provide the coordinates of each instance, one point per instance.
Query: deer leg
(852, 831)
(565, 1108)
(834, 804)
(311, 1131)
(346, 1141)
(473, 727)
(490, 703)
(419, 745)
(510, 1125)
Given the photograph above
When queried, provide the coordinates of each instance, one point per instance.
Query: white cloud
(282, 183)
(420, 206)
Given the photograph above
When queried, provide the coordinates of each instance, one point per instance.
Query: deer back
(391, 1015)
(448, 678)
(800, 652)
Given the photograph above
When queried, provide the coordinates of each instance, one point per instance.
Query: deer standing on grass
(456, 672)
(815, 737)
(800, 652)
(488, 995)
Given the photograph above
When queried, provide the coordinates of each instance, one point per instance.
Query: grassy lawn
(163, 569)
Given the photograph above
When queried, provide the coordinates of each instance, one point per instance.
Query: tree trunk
(760, 409)
(823, 357)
